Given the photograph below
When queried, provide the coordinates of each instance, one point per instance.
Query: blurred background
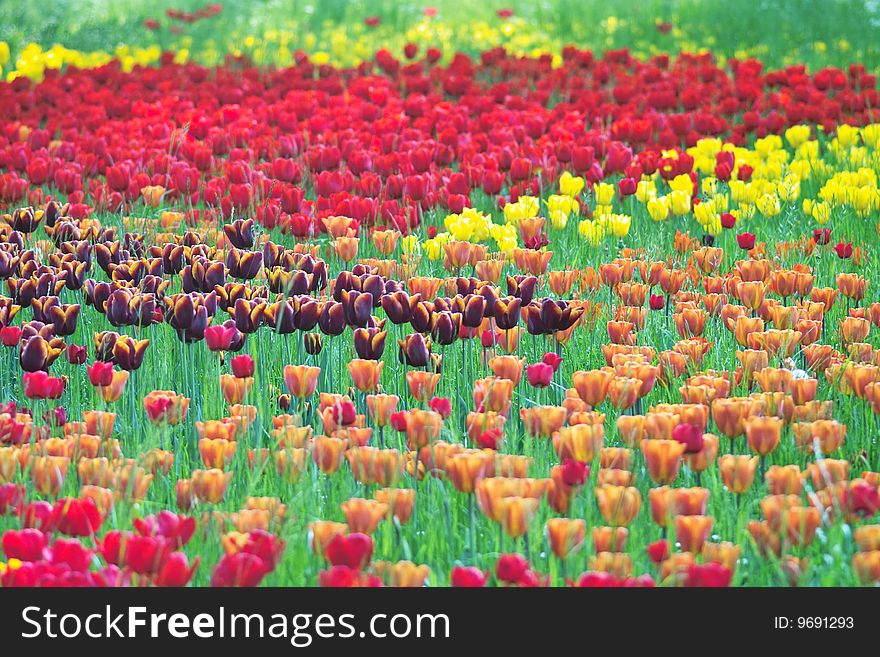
(344, 32)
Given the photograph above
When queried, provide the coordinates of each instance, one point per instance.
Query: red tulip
(112, 546)
(708, 575)
(822, 236)
(746, 241)
(76, 517)
(553, 360)
(510, 568)
(240, 569)
(219, 337)
(441, 405)
(658, 551)
(352, 550)
(575, 473)
(70, 553)
(490, 338)
(844, 250)
(728, 220)
(39, 385)
(177, 529)
(100, 373)
(657, 302)
(10, 335)
(24, 544)
(145, 554)
(490, 438)
(266, 546)
(76, 354)
(242, 366)
(345, 577)
(691, 436)
(468, 577)
(594, 580)
(540, 375)
(176, 571)
(11, 496)
(37, 515)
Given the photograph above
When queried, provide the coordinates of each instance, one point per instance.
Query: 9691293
(813, 622)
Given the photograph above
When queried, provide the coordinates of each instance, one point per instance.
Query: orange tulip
(737, 472)
(609, 539)
(507, 367)
(692, 531)
(365, 374)
(363, 515)
(543, 421)
(290, 463)
(751, 293)
(566, 535)
(580, 442)
(592, 386)
(724, 553)
(48, 474)
(624, 392)
(381, 408)
(210, 485)
(663, 458)
(493, 394)
(763, 434)
(466, 469)
(217, 452)
(327, 453)
(234, 389)
(784, 480)
(619, 505)
(114, 391)
(852, 286)
(301, 380)
(516, 513)
(631, 429)
(400, 501)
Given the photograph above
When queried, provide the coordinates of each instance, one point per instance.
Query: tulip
(210, 485)
(619, 505)
(690, 436)
(663, 458)
(240, 569)
(301, 380)
(763, 434)
(737, 472)
(516, 513)
(365, 375)
(565, 535)
(468, 577)
(364, 515)
(422, 384)
(242, 366)
(381, 408)
(692, 531)
(100, 373)
(400, 502)
(592, 386)
(466, 469)
(746, 241)
(507, 367)
(39, 385)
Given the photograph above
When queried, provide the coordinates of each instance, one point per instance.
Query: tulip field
(364, 294)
